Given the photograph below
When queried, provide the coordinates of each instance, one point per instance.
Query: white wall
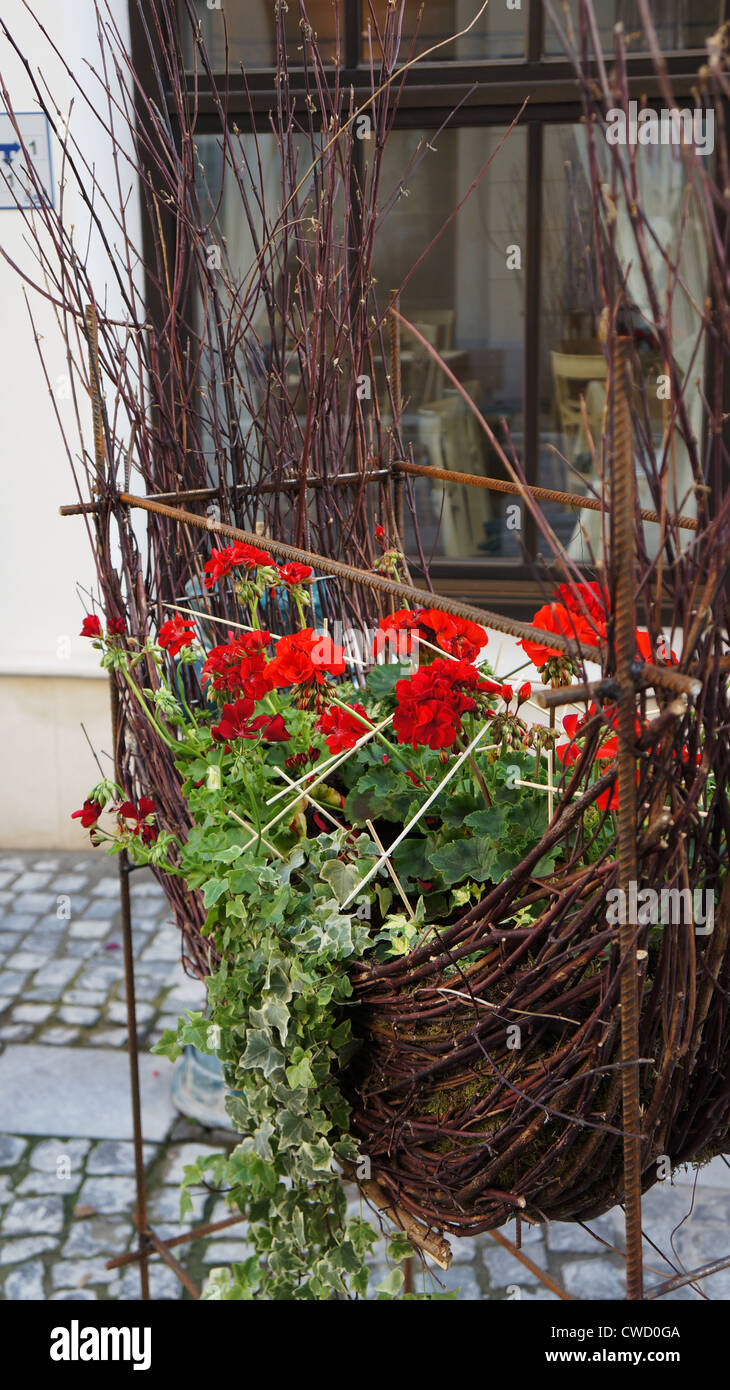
(43, 557)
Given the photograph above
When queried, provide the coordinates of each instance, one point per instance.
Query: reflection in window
(678, 23)
(498, 33)
(467, 300)
(573, 375)
(251, 28)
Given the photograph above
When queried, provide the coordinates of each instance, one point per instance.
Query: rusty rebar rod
(624, 512)
(209, 1228)
(209, 494)
(541, 494)
(512, 627)
(123, 866)
(678, 1281)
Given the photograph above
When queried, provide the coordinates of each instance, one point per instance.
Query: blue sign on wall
(27, 147)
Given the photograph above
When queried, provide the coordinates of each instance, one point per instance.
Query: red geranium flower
(294, 573)
(91, 626)
(240, 665)
(89, 814)
(116, 626)
(432, 701)
(236, 722)
(238, 555)
(391, 628)
(138, 816)
(555, 617)
(305, 658)
(458, 636)
(340, 728)
(586, 600)
(176, 633)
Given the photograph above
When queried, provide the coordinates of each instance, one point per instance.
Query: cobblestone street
(66, 1160)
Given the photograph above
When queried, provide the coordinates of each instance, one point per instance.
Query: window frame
(495, 89)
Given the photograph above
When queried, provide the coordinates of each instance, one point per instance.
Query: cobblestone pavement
(66, 1196)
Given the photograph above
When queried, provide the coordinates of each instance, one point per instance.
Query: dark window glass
(498, 33)
(467, 299)
(251, 28)
(573, 376)
(678, 23)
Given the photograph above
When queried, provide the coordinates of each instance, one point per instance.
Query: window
(516, 326)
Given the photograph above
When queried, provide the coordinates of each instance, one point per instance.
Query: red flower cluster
(136, 817)
(294, 573)
(236, 556)
(305, 658)
(432, 701)
(340, 728)
(176, 633)
(586, 601)
(91, 626)
(555, 617)
(457, 636)
(116, 627)
(239, 666)
(236, 722)
(88, 815)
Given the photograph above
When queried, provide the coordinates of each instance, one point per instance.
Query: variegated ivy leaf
(260, 1052)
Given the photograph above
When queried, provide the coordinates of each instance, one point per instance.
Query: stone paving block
(30, 882)
(14, 982)
(224, 1252)
(59, 1037)
(177, 1159)
(45, 1156)
(108, 1195)
(81, 1089)
(8, 941)
(96, 1236)
(5, 1001)
(36, 1184)
(56, 974)
(117, 1013)
(88, 928)
(569, 1236)
(110, 1037)
(17, 922)
(15, 1032)
(163, 1283)
(13, 1251)
(31, 1013)
(6, 877)
(504, 1269)
(6, 1189)
(34, 1216)
(94, 998)
(101, 910)
(593, 1279)
(25, 1283)
(75, 1274)
(25, 961)
(74, 1013)
(116, 1156)
(165, 1206)
(70, 883)
(36, 903)
(81, 949)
